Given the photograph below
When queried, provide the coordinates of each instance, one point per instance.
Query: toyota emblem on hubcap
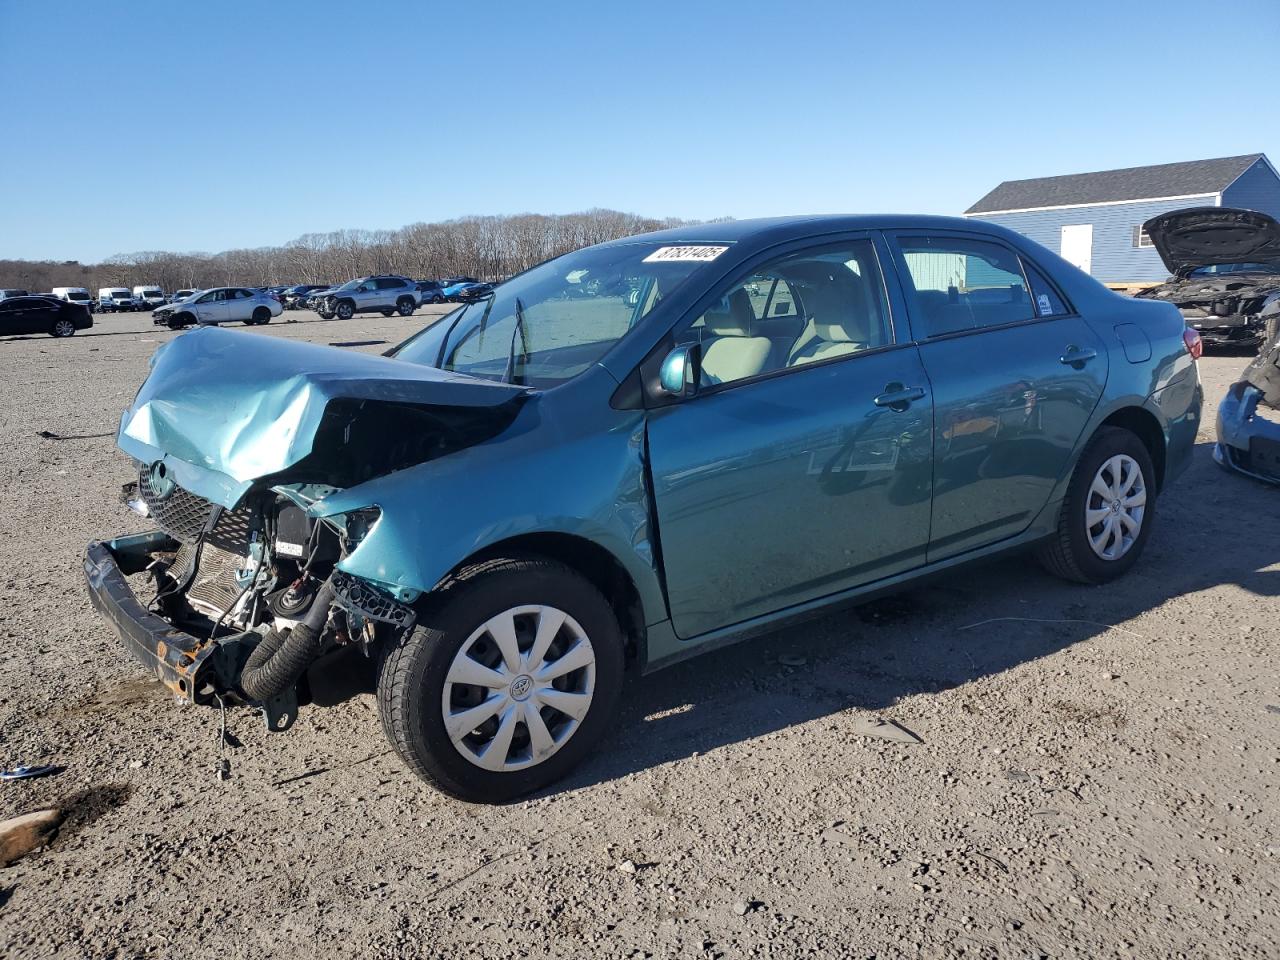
(521, 687)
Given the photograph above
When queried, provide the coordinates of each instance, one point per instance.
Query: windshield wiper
(444, 344)
(508, 375)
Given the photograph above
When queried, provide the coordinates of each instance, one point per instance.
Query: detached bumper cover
(1248, 442)
(173, 657)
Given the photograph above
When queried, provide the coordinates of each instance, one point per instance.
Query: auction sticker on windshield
(696, 254)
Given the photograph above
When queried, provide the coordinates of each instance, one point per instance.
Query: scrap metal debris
(27, 773)
(883, 730)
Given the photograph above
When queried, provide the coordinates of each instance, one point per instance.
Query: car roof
(767, 230)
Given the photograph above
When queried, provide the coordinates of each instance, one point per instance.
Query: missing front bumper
(179, 660)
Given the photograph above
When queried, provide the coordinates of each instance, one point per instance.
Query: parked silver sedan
(219, 305)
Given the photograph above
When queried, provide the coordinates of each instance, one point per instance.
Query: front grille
(183, 515)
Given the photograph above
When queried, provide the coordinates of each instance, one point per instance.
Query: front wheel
(511, 676)
(1107, 513)
(344, 310)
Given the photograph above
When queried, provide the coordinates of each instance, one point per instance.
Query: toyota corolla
(625, 456)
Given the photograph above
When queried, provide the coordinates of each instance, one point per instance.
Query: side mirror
(679, 374)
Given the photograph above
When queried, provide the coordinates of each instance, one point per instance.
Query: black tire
(405, 307)
(180, 321)
(1068, 554)
(388, 313)
(62, 328)
(324, 314)
(345, 310)
(413, 671)
(261, 315)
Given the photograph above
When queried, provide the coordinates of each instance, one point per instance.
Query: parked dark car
(431, 291)
(50, 315)
(295, 297)
(737, 425)
(1226, 272)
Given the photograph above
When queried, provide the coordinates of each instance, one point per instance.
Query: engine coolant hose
(279, 659)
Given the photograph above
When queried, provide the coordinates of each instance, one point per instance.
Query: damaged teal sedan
(627, 455)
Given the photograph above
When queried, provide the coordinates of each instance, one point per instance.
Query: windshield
(77, 295)
(118, 294)
(551, 323)
(350, 285)
(1215, 269)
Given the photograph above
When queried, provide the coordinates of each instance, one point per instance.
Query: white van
(113, 299)
(148, 298)
(74, 295)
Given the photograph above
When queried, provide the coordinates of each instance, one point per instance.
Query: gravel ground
(1097, 776)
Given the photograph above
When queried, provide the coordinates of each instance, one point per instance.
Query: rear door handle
(1077, 356)
(897, 397)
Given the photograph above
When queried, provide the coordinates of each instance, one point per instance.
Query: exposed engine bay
(1230, 309)
(282, 625)
(1226, 271)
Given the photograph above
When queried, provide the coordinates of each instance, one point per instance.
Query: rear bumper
(177, 659)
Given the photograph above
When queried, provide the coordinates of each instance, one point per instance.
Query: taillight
(1195, 346)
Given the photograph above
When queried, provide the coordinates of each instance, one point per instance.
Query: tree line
(490, 248)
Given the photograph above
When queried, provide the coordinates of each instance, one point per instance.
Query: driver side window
(807, 307)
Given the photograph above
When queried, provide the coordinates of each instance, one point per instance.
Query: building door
(1077, 245)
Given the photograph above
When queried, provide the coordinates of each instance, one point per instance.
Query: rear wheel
(510, 678)
(261, 315)
(388, 313)
(63, 328)
(344, 310)
(405, 306)
(1107, 513)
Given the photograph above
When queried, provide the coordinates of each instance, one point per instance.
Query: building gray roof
(1132, 183)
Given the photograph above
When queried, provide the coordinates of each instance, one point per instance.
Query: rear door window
(1048, 301)
(962, 283)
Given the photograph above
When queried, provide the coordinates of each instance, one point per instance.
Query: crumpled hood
(1201, 236)
(224, 409)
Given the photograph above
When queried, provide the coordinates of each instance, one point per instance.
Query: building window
(1140, 238)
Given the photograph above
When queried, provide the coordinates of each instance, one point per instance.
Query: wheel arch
(595, 563)
(1146, 427)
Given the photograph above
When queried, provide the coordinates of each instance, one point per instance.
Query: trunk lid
(226, 410)
(1202, 236)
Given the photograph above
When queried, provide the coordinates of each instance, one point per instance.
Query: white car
(219, 305)
(148, 297)
(116, 300)
(75, 295)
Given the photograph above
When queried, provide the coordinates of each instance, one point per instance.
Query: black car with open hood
(1226, 271)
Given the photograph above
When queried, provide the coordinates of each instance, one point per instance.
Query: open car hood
(1200, 236)
(227, 410)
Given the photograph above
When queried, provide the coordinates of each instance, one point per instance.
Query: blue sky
(206, 126)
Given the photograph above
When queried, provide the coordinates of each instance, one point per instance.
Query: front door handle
(1077, 356)
(897, 397)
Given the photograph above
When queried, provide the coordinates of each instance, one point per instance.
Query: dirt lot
(1098, 773)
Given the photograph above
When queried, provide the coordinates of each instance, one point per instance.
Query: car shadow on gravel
(973, 623)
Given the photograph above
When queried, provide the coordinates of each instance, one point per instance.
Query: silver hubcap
(1115, 507)
(66, 328)
(519, 688)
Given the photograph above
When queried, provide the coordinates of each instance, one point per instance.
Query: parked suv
(384, 295)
